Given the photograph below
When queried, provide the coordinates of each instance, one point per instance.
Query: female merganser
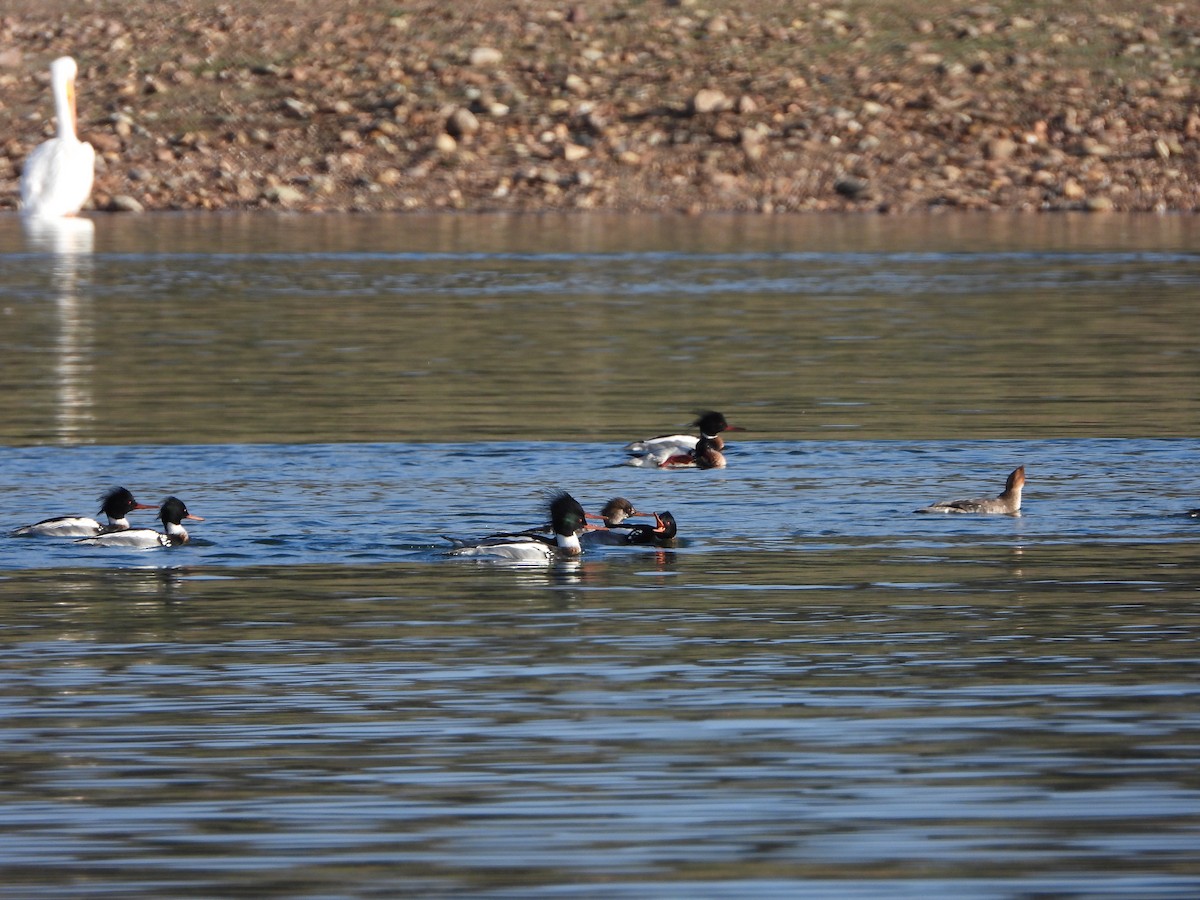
(173, 513)
(1008, 503)
(567, 521)
(116, 505)
(57, 177)
(677, 451)
(614, 513)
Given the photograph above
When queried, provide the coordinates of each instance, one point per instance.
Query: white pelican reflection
(69, 243)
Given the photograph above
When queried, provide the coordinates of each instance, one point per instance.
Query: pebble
(124, 203)
(1000, 149)
(708, 100)
(461, 123)
(485, 56)
(574, 152)
(284, 194)
(852, 187)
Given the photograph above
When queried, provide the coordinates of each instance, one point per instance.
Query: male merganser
(676, 451)
(614, 513)
(663, 531)
(1008, 503)
(567, 521)
(172, 513)
(116, 505)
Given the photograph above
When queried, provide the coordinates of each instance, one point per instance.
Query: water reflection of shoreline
(70, 243)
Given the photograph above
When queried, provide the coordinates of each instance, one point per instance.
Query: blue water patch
(350, 504)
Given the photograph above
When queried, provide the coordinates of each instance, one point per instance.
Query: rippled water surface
(814, 692)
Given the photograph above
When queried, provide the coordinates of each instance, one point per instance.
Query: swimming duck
(567, 520)
(1008, 503)
(116, 505)
(680, 451)
(172, 514)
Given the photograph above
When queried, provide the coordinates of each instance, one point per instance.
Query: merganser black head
(713, 423)
(173, 512)
(567, 517)
(663, 531)
(119, 502)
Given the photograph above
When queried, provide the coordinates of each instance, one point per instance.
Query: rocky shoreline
(629, 105)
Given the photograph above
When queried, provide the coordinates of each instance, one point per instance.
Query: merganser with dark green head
(567, 521)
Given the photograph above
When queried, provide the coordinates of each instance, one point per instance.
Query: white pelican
(57, 178)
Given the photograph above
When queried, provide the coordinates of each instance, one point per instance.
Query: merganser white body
(56, 179)
(567, 520)
(172, 514)
(116, 505)
(684, 451)
(1008, 503)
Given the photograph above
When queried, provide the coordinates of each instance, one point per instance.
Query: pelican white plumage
(57, 178)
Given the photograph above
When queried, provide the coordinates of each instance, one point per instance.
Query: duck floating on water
(1008, 503)
(616, 530)
(567, 522)
(661, 533)
(172, 514)
(685, 451)
(116, 505)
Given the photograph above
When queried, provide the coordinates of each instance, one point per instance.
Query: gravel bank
(654, 105)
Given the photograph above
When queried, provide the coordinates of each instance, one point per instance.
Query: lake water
(815, 693)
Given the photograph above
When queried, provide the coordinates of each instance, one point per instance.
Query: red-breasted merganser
(1008, 503)
(662, 532)
(567, 521)
(172, 514)
(116, 505)
(684, 451)
(614, 513)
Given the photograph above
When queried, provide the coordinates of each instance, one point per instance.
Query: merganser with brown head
(614, 533)
(1008, 503)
